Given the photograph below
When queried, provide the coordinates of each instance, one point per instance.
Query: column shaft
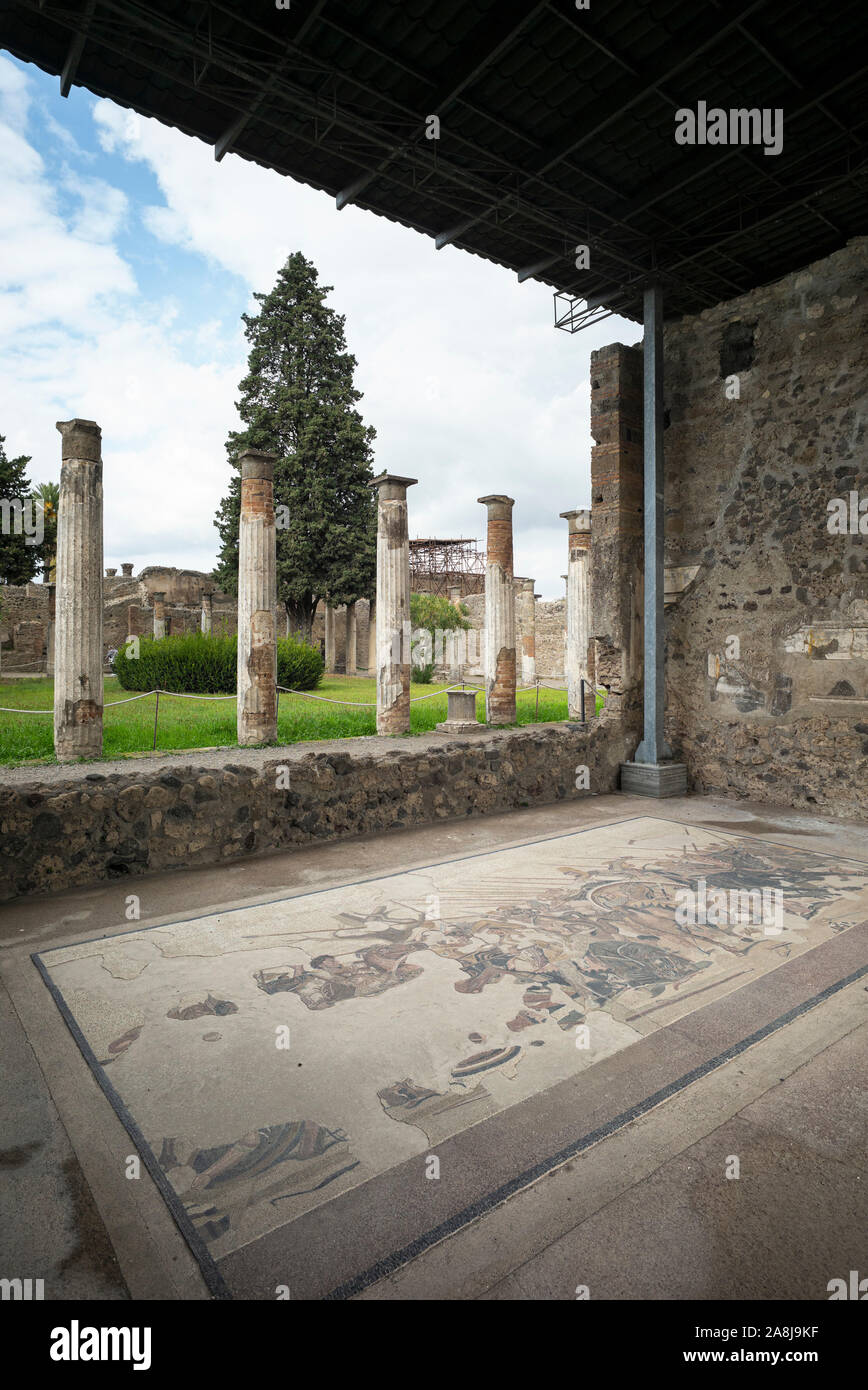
(159, 602)
(207, 612)
(576, 664)
(500, 660)
(329, 623)
(351, 643)
(257, 600)
(78, 653)
(393, 605)
(525, 604)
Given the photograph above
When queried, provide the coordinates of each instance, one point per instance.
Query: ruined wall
(84, 825)
(24, 627)
(767, 688)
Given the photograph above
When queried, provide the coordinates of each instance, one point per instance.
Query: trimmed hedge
(195, 663)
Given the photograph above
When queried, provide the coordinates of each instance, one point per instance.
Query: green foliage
(423, 675)
(47, 496)
(431, 611)
(18, 560)
(298, 401)
(197, 663)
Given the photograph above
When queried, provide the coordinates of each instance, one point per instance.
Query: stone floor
(435, 985)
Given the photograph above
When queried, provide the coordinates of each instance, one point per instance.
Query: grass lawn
(186, 723)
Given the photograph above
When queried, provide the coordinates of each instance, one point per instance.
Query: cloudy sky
(127, 256)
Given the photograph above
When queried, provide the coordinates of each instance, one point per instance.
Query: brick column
(159, 602)
(207, 611)
(78, 656)
(577, 662)
(257, 601)
(351, 653)
(616, 555)
(525, 611)
(393, 604)
(499, 665)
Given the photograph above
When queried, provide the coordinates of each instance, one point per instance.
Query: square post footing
(654, 779)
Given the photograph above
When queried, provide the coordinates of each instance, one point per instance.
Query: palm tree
(47, 498)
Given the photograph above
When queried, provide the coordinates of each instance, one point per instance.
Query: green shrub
(299, 667)
(197, 663)
(423, 675)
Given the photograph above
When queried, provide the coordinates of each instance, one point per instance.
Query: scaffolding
(436, 566)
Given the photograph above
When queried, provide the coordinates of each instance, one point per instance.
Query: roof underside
(556, 124)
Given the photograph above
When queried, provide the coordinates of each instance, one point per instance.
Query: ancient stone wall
(85, 825)
(767, 409)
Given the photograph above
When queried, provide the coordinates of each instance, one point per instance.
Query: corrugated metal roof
(556, 124)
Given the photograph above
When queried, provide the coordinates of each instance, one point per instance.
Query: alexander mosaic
(418, 1004)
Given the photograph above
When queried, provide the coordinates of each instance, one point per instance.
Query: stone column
(393, 604)
(578, 611)
(525, 605)
(159, 602)
(329, 622)
(372, 638)
(351, 642)
(207, 611)
(257, 598)
(455, 594)
(126, 570)
(499, 665)
(78, 657)
(49, 639)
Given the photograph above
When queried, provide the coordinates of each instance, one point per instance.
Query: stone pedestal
(78, 654)
(499, 662)
(654, 779)
(393, 604)
(460, 713)
(257, 601)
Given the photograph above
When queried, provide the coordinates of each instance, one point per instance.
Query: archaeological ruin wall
(766, 402)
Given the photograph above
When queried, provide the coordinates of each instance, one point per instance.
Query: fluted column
(257, 601)
(499, 664)
(159, 602)
(78, 655)
(351, 642)
(207, 611)
(578, 645)
(393, 604)
(525, 606)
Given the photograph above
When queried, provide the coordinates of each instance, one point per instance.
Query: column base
(459, 726)
(654, 779)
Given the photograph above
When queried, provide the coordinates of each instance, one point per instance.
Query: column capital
(81, 439)
(257, 463)
(392, 488)
(579, 519)
(499, 506)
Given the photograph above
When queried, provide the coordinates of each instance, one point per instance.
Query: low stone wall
(100, 821)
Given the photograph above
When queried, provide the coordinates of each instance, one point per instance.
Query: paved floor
(506, 1218)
